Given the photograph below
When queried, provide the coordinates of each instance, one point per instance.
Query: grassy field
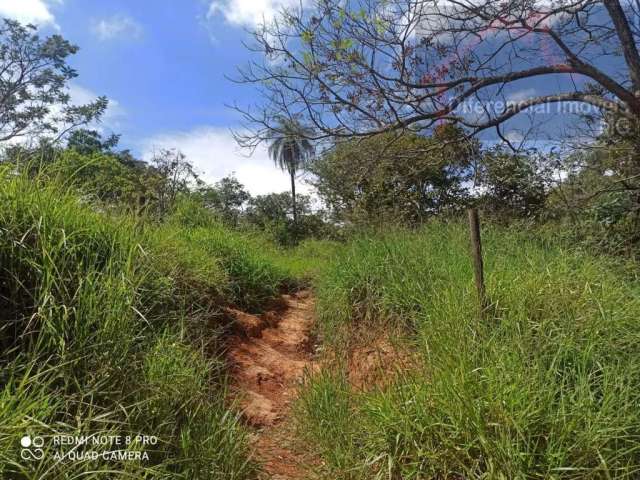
(111, 327)
(547, 385)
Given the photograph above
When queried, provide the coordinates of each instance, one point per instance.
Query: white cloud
(110, 122)
(117, 27)
(515, 137)
(215, 154)
(520, 95)
(37, 12)
(442, 19)
(250, 13)
(111, 119)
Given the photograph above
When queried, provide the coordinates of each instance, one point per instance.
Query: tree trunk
(293, 196)
(627, 41)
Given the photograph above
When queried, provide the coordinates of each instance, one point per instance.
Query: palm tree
(291, 150)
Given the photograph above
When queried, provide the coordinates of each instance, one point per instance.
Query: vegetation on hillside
(118, 275)
(112, 327)
(545, 385)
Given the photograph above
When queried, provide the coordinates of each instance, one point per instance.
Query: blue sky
(162, 63)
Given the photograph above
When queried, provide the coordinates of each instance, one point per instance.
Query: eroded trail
(269, 355)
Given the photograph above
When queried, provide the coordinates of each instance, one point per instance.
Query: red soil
(269, 355)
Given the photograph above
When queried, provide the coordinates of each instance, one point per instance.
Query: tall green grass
(111, 327)
(547, 385)
(247, 251)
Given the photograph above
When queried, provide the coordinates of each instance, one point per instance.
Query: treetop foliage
(34, 76)
(403, 179)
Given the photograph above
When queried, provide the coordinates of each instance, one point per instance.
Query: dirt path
(269, 355)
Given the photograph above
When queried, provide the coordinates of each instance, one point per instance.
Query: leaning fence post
(476, 253)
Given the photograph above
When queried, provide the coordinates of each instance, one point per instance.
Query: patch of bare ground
(372, 356)
(269, 355)
(376, 363)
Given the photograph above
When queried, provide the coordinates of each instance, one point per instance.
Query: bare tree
(364, 67)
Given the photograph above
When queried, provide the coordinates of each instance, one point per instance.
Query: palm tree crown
(290, 150)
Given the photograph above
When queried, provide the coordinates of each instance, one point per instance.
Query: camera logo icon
(32, 448)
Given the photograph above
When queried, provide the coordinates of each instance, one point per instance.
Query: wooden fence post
(476, 253)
